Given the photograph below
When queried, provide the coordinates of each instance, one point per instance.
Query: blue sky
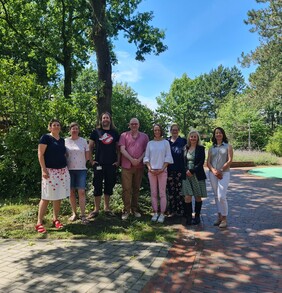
(200, 35)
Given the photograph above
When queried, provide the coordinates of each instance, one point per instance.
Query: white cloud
(151, 103)
(127, 69)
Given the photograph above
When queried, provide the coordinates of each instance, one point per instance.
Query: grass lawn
(18, 218)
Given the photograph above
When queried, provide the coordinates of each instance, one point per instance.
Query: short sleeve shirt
(134, 146)
(105, 145)
(55, 153)
(76, 149)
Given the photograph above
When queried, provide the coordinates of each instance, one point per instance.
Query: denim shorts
(78, 179)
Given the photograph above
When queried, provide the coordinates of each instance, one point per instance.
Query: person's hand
(93, 162)
(189, 174)
(219, 174)
(154, 172)
(45, 174)
(135, 162)
(116, 164)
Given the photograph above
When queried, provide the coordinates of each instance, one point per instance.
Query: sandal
(93, 215)
(84, 221)
(58, 224)
(73, 218)
(109, 214)
(40, 229)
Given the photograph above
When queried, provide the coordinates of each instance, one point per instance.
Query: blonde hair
(188, 136)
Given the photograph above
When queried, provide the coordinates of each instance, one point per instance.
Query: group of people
(175, 171)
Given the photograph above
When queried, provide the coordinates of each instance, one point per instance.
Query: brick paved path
(245, 257)
(78, 266)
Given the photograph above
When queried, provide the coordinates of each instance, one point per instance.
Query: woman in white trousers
(219, 160)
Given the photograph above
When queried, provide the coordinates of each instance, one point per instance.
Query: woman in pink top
(77, 156)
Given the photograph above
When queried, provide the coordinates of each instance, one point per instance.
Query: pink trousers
(158, 184)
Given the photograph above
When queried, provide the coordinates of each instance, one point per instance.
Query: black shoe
(188, 222)
(196, 220)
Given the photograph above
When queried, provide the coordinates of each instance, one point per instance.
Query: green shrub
(275, 142)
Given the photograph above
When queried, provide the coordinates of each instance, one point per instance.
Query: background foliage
(44, 73)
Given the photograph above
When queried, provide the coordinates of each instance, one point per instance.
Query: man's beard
(106, 123)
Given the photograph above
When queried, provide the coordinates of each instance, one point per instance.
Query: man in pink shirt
(132, 147)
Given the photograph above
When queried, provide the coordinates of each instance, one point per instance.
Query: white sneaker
(137, 215)
(161, 218)
(125, 216)
(155, 217)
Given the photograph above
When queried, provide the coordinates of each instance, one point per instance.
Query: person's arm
(91, 151)
(117, 163)
(146, 158)
(230, 158)
(168, 157)
(125, 153)
(41, 152)
(87, 153)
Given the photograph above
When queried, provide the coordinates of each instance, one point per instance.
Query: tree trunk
(102, 49)
(67, 78)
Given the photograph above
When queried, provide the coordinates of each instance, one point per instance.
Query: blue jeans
(78, 179)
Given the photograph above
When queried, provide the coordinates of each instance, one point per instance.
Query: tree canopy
(266, 81)
(111, 18)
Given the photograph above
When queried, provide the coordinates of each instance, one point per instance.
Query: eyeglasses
(133, 123)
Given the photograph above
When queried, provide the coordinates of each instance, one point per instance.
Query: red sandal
(58, 224)
(40, 229)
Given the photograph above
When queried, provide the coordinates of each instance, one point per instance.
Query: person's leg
(106, 202)
(43, 204)
(214, 184)
(73, 176)
(82, 201)
(98, 189)
(162, 180)
(126, 181)
(179, 199)
(97, 203)
(188, 209)
(222, 191)
(81, 185)
(198, 207)
(136, 184)
(153, 180)
(170, 188)
(109, 183)
(73, 204)
(56, 209)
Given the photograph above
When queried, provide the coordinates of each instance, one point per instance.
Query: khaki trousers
(131, 181)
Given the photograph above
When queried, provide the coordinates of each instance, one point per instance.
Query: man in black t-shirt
(104, 140)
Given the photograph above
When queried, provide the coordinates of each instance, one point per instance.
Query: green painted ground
(273, 172)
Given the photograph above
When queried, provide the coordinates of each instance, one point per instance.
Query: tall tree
(46, 34)
(126, 106)
(266, 81)
(110, 19)
(195, 103)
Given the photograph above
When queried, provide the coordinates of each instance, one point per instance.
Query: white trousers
(219, 187)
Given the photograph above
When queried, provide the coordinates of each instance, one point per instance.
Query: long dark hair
(112, 126)
(224, 139)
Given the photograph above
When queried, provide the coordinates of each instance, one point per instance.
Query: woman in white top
(77, 156)
(157, 158)
(219, 160)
